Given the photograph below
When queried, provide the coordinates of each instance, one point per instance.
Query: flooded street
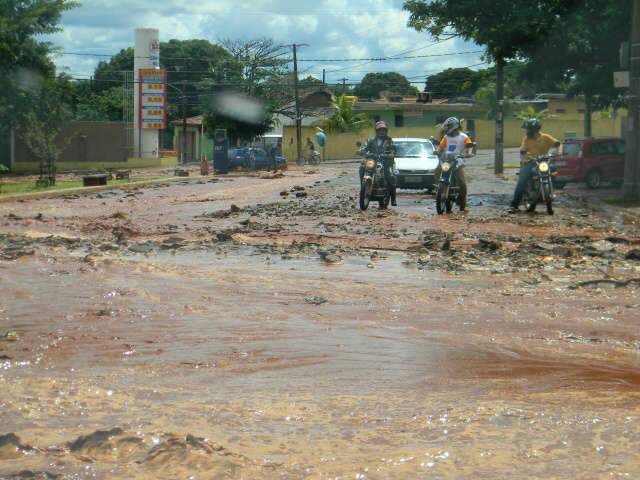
(247, 327)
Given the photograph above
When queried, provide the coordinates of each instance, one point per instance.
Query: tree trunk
(631, 190)
(588, 109)
(499, 150)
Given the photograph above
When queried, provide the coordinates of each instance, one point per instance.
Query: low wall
(343, 145)
(163, 162)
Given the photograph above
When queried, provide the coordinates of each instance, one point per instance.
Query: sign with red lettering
(153, 99)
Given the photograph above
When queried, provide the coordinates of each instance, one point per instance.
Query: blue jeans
(526, 172)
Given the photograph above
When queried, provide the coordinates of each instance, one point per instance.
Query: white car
(416, 163)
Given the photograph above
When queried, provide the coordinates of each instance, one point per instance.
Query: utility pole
(324, 77)
(344, 85)
(631, 190)
(297, 102)
(184, 121)
(499, 150)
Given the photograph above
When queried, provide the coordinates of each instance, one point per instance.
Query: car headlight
(371, 164)
(543, 167)
(396, 172)
(446, 166)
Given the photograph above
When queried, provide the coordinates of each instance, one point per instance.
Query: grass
(22, 187)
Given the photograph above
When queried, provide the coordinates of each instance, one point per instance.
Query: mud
(223, 330)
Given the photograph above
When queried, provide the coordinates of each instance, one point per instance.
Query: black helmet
(451, 124)
(532, 125)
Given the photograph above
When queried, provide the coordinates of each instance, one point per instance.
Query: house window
(399, 121)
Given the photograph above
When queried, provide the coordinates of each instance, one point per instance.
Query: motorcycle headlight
(371, 164)
(543, 167)
(446, 166)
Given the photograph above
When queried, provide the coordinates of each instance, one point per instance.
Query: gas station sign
(153, 99)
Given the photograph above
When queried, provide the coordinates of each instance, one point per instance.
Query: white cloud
(332, 28)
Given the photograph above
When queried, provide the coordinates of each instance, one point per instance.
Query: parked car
(253, 158)
(593, 160)
(416, 163)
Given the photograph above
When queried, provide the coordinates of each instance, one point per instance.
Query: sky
(333, 29)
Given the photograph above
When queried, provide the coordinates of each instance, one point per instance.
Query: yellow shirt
(538, 146)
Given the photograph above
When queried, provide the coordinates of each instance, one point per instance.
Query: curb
(89, 190)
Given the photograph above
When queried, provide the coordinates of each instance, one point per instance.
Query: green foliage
(374, 84)
(582, 54)
(454, 82)
(103, 107)
(344, 119)
(531, 113)
(24, 60)
(42, 123)
(506, 28)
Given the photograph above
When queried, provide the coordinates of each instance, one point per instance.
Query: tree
(24, 57)
(374, 84)
(507, 30)
(585, 52)
(454, 82)
(256, 75)
(344, 119)
(42, 124)
(106, 107)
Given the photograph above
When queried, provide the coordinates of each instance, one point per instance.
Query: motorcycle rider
(383, 144)
(456, 143)
(534, 144)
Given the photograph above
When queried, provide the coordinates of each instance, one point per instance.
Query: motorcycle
(314, 158)
(540, 188)
(448, 192)
(373, 185)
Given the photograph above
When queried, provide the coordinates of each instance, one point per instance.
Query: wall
(343, 146)
(83, 142)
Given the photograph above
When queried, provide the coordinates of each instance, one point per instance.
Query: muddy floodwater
(266, 328)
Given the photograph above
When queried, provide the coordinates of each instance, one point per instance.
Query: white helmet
(451, 124)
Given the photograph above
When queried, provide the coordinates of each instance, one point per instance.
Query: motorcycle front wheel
(383, 203)
(365, 196)
(442, 198)
(548, 198)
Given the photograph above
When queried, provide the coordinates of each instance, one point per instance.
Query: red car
(593, 160)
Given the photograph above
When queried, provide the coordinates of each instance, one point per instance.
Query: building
(400, 112)
(198, 145)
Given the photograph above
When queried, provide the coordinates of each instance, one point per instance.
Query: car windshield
(571, 149)
(413, 149)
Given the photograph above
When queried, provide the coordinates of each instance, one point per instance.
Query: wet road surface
(254, 328)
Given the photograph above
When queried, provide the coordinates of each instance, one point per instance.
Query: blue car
(252, 158)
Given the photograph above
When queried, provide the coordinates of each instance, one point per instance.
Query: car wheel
(594, 179)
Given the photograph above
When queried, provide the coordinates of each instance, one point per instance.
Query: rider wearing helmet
(383, 144)
(456, 143)
(534, 144)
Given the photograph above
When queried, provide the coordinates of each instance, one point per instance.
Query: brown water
(216, 362)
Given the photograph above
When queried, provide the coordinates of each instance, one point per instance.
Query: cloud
(333, 29)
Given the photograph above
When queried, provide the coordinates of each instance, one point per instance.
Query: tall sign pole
(632, 165)
(146, 59)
